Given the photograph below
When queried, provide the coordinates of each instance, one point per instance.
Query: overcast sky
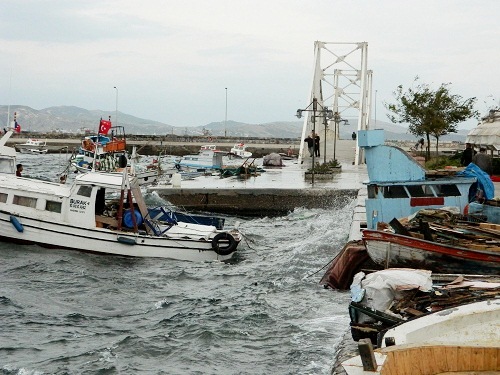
(172, 60)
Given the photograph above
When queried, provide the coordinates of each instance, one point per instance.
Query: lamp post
(324, 112)
(225, 119)
(337, 120)
(116, 106)
(325, 123)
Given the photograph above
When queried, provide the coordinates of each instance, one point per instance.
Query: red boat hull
(394, 250)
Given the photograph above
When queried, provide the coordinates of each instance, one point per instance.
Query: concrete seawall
(255, 202)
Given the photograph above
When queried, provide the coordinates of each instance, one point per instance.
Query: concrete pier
(275, 191)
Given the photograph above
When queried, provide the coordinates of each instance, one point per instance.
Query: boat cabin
(7, 155)
(206, 159)
(103, 144)
(92, 201)
(398, 185)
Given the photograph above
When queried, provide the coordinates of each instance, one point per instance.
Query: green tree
(430, 113)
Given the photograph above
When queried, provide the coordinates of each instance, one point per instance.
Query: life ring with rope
(224, 238)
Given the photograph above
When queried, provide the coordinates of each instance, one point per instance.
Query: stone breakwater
(180, 148)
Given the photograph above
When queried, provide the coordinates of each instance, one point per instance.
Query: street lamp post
(337, 120)
(325, 123)
(116, 106)
(326, 113)
(225, 119)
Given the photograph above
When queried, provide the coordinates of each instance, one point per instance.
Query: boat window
(3, 198)
(24, 201)
(372, 191)
(85, 191)
(396, 191)
(448, 190)
(420, 190)
(7, 166)
(53, 206)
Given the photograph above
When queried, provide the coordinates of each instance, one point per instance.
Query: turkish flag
(17, 127)
(104, 127)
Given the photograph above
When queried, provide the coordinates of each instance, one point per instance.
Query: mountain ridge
(72, 119)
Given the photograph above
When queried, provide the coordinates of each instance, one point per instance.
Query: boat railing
(115, 145)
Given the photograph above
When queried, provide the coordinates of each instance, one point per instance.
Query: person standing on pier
(467, 155)
(316, 144)
(483, 161)
(310, 145)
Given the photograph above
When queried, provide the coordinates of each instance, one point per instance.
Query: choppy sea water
(66, 312)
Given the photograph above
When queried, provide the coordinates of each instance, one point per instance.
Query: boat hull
(105, 241)
(393, 250)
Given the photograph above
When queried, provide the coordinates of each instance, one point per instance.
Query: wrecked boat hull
(394, 250)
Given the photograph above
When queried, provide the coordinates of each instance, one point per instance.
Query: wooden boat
(100, 212)
(429, 360)
(400, 189)
(474, 324)
(394, 250)
(462, 339)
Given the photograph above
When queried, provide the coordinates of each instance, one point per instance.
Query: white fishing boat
(102, 151)
(107, 151)
(207, 158)
(210, 158)
(240, 150)
(32, 146)
(100, 212)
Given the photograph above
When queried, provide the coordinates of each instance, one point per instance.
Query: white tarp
(379, 289)
(487, 133)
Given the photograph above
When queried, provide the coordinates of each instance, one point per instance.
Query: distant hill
(70, 119)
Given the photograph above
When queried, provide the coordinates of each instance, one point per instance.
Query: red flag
(104, 127)
(17, 127)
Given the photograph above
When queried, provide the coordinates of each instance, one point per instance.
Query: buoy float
(16, 223)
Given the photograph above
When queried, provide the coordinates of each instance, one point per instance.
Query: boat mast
(8, 106)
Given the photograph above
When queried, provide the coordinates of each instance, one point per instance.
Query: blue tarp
(483, 179)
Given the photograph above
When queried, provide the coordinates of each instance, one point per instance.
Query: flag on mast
(17, 127)
(104, 126)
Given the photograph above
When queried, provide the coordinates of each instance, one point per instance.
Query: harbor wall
(255, 202)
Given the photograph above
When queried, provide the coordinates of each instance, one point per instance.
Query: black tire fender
(225, 249)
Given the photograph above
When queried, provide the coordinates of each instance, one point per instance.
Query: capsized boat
(100, 212)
